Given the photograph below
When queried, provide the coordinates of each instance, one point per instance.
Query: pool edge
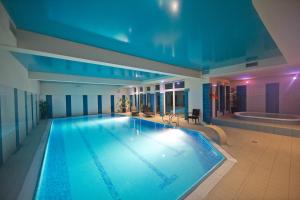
(32, 177)
(197, 191)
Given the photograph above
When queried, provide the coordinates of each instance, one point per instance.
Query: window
(141, 89)
(179, 102)
(169, 102)
(148, 89)
(168, 86)
(157, 87)
(179, 84)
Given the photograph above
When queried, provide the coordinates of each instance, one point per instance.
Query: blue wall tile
(17, 118)
(99, 104)
(68, 106)
(85, 104)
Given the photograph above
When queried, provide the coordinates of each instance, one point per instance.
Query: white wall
(14, 75)
(196, 93)
(60, 90)
(289, 93)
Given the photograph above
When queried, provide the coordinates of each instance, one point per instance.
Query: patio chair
(195, 116)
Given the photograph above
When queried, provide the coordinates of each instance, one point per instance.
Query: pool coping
(197, 191)
(32, 176)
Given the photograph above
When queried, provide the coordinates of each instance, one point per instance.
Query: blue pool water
(119, 157)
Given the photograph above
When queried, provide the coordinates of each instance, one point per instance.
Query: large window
(168, 86)
(179, 84)
(157, 87)
(174, 97)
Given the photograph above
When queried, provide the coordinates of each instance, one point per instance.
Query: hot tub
(268, 117)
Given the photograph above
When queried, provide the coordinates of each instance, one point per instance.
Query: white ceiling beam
(41, 76)
(37, 44)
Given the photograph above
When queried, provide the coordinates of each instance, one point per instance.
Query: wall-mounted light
(214, 85)
(295, 77)
(247, 82)
(162, 81)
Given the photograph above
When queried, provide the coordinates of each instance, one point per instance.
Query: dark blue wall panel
(207, 99)
(144, 99)
(161, 104)
(99, 104)
(49, 106)
(272, 98)
(241, 96)
(26, 113)
(36, 108)
(152, 102)
(68, 106)
(227, 96)
(186, 103)
(138, 103)
(17, 118)
(31, 100)
(112, 103)
(85, 104)
(1, 150)
(131, 102)
(222, 98)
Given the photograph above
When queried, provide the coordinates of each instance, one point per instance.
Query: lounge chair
(195, 116)
(147, 112)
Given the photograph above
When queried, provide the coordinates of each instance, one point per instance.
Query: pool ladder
(170, 119)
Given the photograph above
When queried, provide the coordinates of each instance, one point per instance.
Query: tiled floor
(268, 166)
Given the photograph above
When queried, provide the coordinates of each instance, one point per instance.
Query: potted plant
(123, 104)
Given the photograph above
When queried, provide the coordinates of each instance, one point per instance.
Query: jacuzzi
(268, 117)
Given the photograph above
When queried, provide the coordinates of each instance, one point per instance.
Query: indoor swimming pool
(120, 157)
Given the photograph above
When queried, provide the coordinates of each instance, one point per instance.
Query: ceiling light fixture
(174, 6)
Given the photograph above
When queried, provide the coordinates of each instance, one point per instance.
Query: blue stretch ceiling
(196, 34)
(55, 65)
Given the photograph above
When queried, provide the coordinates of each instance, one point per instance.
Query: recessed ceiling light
(174, 6)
